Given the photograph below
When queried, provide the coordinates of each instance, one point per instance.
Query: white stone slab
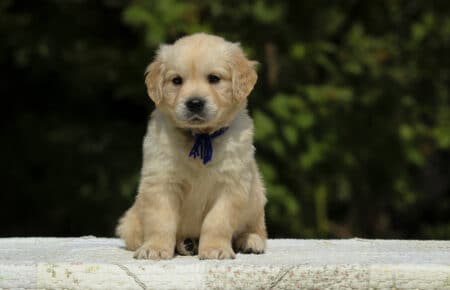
(100, 263)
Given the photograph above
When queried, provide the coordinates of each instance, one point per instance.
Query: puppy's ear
(154, 77)
(243, 75)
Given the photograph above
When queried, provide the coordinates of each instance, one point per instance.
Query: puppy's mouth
(196, 119)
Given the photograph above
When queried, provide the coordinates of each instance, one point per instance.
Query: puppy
(199, 179)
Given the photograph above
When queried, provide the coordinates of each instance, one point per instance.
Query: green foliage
(351, 109)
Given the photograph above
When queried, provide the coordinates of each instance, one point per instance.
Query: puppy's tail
(130, 230)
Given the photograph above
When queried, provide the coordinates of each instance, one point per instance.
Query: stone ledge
(100, 263)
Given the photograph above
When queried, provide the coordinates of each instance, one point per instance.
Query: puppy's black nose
(195, 104)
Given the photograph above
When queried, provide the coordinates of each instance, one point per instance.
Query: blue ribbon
(203, 145)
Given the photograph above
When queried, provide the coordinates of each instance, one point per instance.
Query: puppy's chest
(197, 199)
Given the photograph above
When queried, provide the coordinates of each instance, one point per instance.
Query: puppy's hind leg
(253, 238)
(187, 247)
(252, 241)
(130, 230)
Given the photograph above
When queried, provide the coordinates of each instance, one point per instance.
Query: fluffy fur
(220, 203)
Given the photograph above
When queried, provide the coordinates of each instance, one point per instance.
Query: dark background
(351, 111)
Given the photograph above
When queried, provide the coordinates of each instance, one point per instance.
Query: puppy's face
(201, 81)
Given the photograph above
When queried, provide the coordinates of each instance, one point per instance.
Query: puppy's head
(201, 81)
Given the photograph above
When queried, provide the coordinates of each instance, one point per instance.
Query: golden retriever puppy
(199, 179)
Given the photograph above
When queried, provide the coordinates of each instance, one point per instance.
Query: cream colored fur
(222, 202)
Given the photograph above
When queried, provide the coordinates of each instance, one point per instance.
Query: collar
(203, 145)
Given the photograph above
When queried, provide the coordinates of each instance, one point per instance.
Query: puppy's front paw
(216, 253)
(148, 251)
(250, 244)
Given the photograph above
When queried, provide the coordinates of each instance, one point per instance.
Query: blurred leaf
(265, 126)
(265, 13)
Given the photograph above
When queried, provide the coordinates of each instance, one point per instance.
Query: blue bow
(203, 145)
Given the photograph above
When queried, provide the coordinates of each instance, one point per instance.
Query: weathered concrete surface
(98, 263)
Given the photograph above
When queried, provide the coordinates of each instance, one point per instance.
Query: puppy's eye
(213, 79)
(177, 81)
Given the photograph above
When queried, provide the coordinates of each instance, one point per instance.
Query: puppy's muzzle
(195, 105)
